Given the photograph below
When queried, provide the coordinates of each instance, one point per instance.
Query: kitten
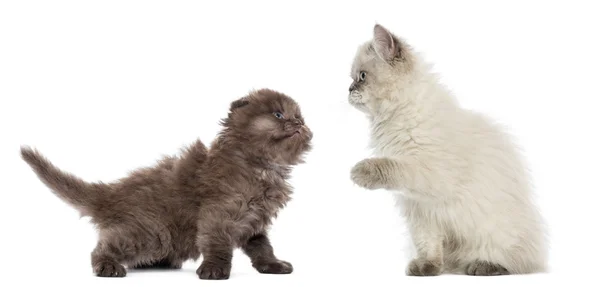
(206, 201)
(458, 177)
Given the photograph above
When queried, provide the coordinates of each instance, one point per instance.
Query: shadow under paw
(211, 271)
(162, 264)
(420, 267)
(485, 268)
(274, 267)
(109, 269)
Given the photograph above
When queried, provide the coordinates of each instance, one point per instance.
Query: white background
(104, 87)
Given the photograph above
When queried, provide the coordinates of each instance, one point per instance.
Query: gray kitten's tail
(80, 194)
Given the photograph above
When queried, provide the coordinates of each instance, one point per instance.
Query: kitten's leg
(379, 172)
(123, 244)
(485, 268)
(105, 260)
(429, 245)
(217, 250)
(260, 251)
(375, 173)
(406, 174)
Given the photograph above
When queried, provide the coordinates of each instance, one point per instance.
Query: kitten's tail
(80, 194)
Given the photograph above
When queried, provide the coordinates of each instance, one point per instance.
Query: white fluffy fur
(460, 181)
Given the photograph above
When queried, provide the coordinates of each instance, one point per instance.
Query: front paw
(212, 271)
(274, 267)
(366, 174)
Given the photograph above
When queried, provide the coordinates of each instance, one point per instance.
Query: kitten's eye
(278, 115)
(362, 76)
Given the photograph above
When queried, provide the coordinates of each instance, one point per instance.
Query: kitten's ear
(385, 44)
(239, 103)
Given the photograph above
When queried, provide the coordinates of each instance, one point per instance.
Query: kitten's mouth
(355, 99)
(294, 134)
(302, 133)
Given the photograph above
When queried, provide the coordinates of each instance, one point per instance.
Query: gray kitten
(206, 201)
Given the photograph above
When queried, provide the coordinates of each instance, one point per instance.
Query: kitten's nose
(352, 87)
(298, 122)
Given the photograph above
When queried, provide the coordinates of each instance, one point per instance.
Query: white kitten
(463, 187)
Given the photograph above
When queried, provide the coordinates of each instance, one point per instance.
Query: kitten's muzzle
(304, 130)
(355, 98)
(295, 126)
(298, 128)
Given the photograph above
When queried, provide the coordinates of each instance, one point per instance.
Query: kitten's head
(379, 66)
(271, 125)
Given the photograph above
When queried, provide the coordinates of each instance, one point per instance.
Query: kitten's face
(376, 69)
(272, 123)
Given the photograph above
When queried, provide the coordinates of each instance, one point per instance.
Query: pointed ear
(384, 43)
(239, 103)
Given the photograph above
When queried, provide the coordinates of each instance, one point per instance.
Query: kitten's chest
(436, 215)
(275, 191)
(271, 193)
(390, 141)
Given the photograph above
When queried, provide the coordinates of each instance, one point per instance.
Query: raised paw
(422, 267)
(109, 269)
(274, 267)
(212, 271)
(367, 174)
(485, 268)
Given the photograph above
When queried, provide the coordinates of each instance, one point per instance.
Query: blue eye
(278, 115)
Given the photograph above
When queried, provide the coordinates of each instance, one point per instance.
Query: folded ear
(239, 103)
(385, 44)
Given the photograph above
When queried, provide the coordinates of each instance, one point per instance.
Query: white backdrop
(104, 87)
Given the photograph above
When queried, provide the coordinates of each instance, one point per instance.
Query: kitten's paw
(422, 267)
(109, 269)
(274, 267)
(367, 174)
(212, 271)
(485, 268)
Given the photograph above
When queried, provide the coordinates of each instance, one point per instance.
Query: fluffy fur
(458, 176)
(203, 202)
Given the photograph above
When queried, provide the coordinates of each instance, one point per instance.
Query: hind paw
(109, 269)
(485, 268)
